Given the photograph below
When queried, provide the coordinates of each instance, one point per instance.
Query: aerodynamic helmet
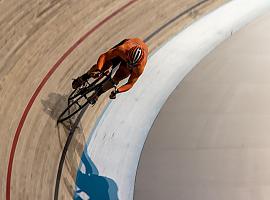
(135, 54)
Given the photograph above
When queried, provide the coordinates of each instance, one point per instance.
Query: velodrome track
(44, 44)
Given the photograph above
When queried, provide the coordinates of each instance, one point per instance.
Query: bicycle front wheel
(74, 106)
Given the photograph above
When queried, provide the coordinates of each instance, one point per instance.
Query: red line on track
(43, 82)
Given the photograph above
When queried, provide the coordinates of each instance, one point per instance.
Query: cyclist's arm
(131, 81)
(109, 55)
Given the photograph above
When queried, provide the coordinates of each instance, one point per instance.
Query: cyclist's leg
(120, 74)
(116, 61)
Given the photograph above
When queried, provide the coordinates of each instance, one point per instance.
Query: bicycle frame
(82, 92)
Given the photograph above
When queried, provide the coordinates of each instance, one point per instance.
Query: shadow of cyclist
(93, 185)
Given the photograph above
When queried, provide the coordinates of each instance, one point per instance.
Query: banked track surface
(210, 139)
(34, 35)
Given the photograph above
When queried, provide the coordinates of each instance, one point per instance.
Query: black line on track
(64, 152)
(174, 19)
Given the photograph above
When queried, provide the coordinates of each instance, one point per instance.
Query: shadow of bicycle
(90, 185)
(54, 105)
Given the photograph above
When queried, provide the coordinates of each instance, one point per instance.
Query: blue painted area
(91, 183)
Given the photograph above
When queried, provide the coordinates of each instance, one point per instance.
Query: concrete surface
(211, 139)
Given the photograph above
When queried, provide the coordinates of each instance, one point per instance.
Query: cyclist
(131, 54)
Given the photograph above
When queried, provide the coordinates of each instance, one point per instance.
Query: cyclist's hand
(77, 83)
(113, 94)
(95, 74)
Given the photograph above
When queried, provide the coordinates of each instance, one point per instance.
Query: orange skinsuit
(118, 54)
